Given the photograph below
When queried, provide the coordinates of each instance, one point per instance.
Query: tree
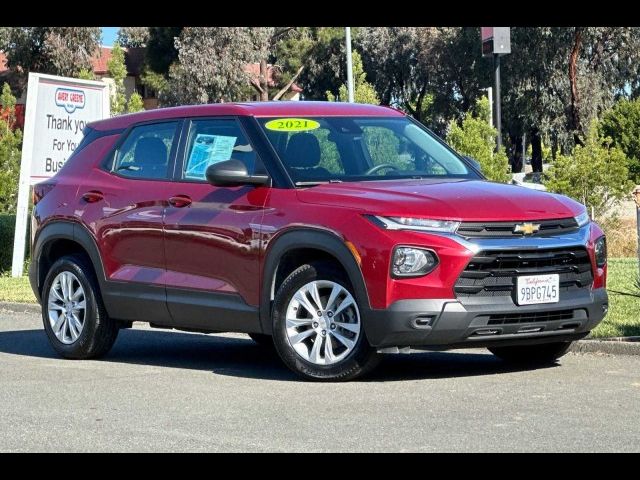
(10, 145)
(161, 48)
(476, 138)
(363, 91)
(622, 125)
(133, 37)
(135, 103)
(117, 70)
(55, 50)
(86, 74)
(210, 66)
(595, 173)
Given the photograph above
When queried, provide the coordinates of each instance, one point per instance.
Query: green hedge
(7, 228)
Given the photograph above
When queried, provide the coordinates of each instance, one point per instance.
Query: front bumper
(448, 323)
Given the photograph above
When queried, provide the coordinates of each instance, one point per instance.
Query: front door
(212, 234)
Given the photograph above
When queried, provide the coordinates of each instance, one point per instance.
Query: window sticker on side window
(207, 150)
(291, 125)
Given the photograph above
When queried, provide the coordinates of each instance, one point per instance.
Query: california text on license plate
(534, 289)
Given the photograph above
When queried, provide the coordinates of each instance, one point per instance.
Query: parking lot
(172, 391)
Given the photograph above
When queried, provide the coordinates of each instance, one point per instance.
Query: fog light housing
(412, 262)
(601, 251)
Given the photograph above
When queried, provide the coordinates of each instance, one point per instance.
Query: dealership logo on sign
(69, 99)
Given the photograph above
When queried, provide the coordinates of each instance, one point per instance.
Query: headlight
(412, 262)
(601, 251)
(582, 219)
(426, 224)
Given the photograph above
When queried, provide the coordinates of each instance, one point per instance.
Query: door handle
(92, 196)
(180, 201)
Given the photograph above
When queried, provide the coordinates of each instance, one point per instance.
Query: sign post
(496, 41)
(58, 109)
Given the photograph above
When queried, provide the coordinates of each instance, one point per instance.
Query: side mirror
(233, 173)
(474, 162)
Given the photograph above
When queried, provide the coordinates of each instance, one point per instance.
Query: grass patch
(622, 320)
(16, 290)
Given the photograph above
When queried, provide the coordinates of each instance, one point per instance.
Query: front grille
(493, 273)
(510, 318)
(506, 229)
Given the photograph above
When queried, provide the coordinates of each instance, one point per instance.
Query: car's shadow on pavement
(240, 357)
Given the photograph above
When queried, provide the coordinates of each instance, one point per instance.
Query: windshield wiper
(317, 182)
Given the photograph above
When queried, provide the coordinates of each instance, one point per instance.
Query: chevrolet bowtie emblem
(527, 228)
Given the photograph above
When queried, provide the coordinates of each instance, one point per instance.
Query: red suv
(334, 231)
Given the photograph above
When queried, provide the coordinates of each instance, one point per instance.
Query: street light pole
(349, 64)
(498, 116)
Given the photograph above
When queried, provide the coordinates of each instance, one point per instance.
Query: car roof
(254, 109)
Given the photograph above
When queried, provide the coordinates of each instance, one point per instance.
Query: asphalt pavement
(165, 391)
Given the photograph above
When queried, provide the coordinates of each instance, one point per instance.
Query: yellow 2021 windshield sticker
(291, 124)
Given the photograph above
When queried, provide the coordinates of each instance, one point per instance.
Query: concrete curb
(19, 307)
(611, 346)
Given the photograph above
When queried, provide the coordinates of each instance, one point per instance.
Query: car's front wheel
(541, 354)
(74, 317)
(317, 328)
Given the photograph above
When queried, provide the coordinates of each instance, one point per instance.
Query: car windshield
(348, 149)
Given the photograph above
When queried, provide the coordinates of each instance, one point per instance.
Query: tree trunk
(516, 157)
(536, 150)
(264, 81)
(574, 115)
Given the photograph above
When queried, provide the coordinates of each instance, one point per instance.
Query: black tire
(533, 354)
(362, 359)
(99, 332)
(265, 341)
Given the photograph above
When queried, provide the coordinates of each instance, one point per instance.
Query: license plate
(533, 289)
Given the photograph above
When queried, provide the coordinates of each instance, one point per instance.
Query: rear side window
(145, 152)
(216, 140)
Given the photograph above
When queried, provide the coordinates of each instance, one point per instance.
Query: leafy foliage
(117, 70)
(55, 50)
(595, 174)
(132, 37)
(477, 139)
(363, 91)
(622, 125)
(86, 74)
(10, 150)
(135, 103)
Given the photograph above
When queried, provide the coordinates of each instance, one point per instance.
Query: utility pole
(496, 73)
(349, 64)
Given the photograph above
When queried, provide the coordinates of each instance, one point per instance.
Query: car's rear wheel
(317, 328)
(541, 354)
(74, 317)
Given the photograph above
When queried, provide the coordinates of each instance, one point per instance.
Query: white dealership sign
(58, 109)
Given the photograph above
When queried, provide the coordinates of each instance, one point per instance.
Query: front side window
(145, 152)
(214, 141)
(323, 149)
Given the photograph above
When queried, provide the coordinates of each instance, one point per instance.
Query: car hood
(470, 200)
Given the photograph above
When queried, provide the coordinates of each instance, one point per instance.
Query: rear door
(212, 234)
(124, 205)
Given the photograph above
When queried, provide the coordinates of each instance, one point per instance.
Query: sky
(109, 35)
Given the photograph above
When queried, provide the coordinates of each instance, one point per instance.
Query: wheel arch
(60, 238)
(306, 240)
